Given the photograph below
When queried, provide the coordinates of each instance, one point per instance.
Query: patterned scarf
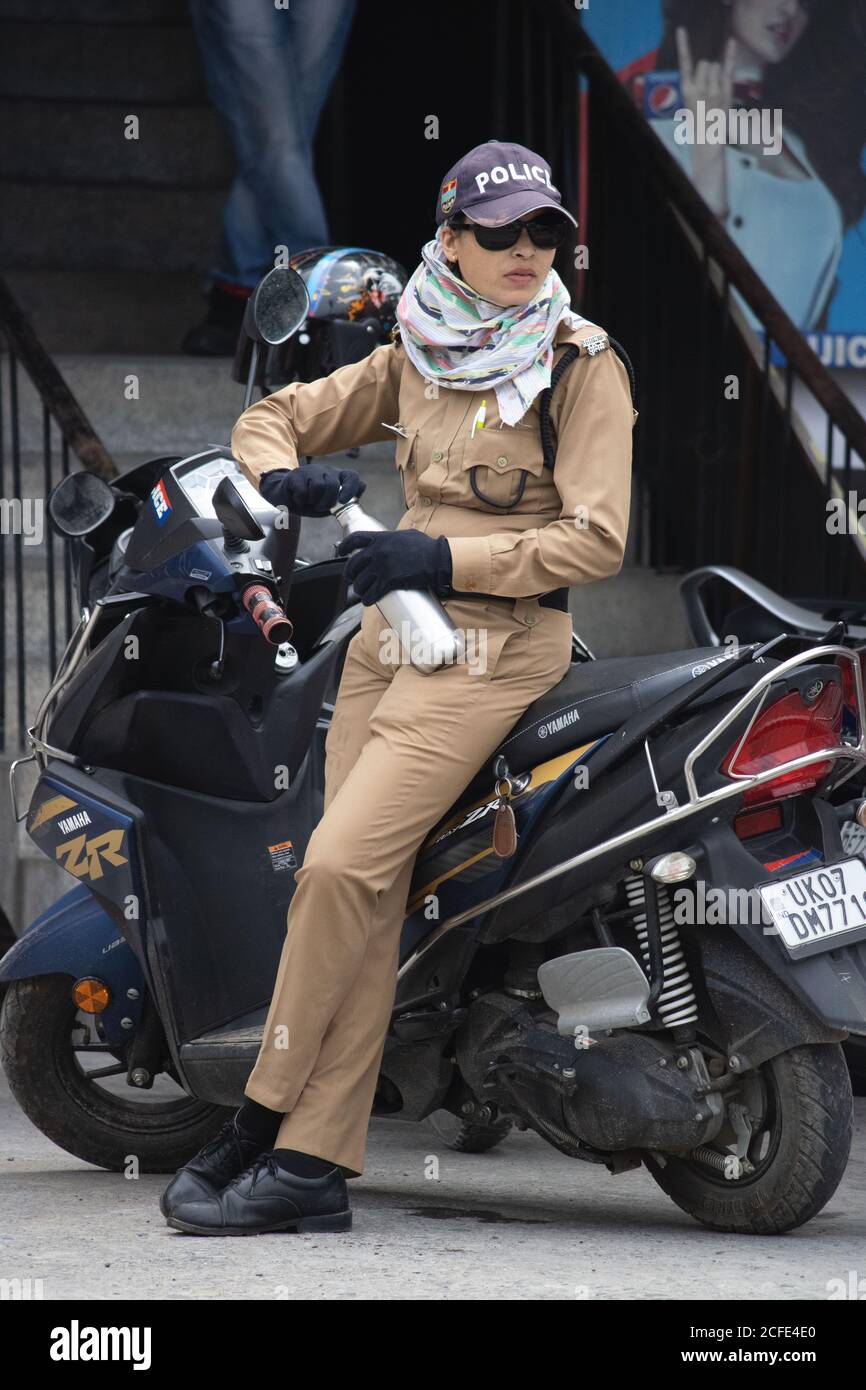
(454, 337)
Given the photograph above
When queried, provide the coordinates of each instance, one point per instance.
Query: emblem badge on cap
(449, 193)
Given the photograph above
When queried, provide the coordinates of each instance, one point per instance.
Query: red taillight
(788, 729)
(758, 822)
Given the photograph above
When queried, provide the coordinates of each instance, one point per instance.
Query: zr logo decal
(83, 855)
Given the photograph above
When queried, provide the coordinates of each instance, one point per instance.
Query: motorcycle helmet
(354, 292)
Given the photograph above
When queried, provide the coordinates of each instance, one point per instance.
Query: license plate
(816, 909)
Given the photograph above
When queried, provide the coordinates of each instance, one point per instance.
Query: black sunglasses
(546, 232)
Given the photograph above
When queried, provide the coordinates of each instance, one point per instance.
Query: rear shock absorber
(676, 1005)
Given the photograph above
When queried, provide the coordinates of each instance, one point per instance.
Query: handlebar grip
(267, 614)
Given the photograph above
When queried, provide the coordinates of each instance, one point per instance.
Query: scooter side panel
(76, 937)
(92, 838)
(197, 885)
(457, 865)
(224, 877)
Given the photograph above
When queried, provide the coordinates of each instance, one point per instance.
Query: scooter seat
(595, 697)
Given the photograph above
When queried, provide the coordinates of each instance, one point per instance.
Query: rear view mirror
(233, 513)
(80, 503)
(275, 311)
(277, 307)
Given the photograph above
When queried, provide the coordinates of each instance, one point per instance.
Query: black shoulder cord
(548, 445)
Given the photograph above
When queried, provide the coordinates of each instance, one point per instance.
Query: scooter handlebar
(267, 614)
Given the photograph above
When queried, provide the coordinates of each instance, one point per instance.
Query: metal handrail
(53, 391)
(62, 421)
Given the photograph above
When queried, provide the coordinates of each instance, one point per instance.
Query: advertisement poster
(763, 104)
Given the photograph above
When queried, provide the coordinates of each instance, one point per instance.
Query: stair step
(71, 141)
(184, 403)
(114, 311)
(111, 227)
(130, 12)
(70, 60)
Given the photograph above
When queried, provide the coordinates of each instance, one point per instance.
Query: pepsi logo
(663, 98)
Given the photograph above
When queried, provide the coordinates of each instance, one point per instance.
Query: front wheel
(58, 1076)
(801, 1117)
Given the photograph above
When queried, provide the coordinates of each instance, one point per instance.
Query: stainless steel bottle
(428, 638)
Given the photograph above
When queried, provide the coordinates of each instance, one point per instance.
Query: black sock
(302, 1165)
(258, 1122)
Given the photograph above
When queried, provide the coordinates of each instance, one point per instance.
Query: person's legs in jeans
(268, 72)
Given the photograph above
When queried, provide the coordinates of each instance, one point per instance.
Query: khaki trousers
(400, 749)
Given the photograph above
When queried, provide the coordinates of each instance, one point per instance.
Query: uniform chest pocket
(503, 467)
(406, 459)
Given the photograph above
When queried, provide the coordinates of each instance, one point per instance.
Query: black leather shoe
(266, 1198)
(221, 1159)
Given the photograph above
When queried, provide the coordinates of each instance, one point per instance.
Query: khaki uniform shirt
(566, 526)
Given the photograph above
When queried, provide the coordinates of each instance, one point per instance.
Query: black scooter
(661, 973)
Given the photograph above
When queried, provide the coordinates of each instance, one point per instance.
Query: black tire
(82, 1117)
(7, 935)
(855, 1056)
(465, 1136)
(810, 1124)
(7, 941)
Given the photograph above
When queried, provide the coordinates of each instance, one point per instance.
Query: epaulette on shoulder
(597, 342)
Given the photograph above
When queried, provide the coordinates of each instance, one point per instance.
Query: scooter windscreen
(180, 512)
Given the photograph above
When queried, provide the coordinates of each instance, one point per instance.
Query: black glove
(311, 489)
(396, 560)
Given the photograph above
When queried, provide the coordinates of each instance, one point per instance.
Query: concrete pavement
(521, 1222)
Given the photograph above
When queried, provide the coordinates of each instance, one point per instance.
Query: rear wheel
(801, 1122)
(48, 1054)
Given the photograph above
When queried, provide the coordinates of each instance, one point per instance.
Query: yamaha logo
(704, 666)
(553, 726)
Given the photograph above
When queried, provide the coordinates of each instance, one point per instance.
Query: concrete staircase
(105, 239)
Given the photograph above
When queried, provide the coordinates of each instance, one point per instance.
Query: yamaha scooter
(661, 973)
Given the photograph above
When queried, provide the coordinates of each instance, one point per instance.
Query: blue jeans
(268, 72)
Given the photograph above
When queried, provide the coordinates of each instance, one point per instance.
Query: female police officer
(500, 537)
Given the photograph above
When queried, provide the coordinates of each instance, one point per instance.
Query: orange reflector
(91, 995)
